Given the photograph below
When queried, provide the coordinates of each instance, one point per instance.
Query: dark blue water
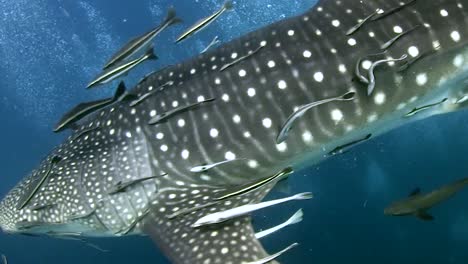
(51, 49)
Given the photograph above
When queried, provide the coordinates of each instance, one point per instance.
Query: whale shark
(230, 103)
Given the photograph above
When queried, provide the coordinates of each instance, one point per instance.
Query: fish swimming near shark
(141, 42)
(84, 109)
(213, 43)
(303, 59)
(203, 23)
(121, 69)
(418, 203)
(223, 216)
(294, 219)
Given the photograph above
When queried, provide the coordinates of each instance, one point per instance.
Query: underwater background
(49, 51)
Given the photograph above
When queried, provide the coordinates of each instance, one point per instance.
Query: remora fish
(294, 219)
(206, 167)
(84, 109)
(219, 217)
(303, 59)
(205, 22)
(138, 43)
(121, 69)
(122, 186)
(417, 203)
(214, 42)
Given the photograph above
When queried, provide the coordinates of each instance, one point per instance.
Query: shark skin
(334, 48)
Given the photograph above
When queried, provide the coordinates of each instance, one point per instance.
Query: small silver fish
(119, 70)
(134, 224)
(343, 148)
(122, 186)
(39, 207)
(283, 134)
(84, 109)
(24, 200)
(204, 22)
(223, 216)
(240, 59)
(294, 219)
(203, 168)
(423, 108)
(254, 185)
(139, 100)
(372, 81)
(362, 22)
(214, 42)
(160, 118)
(65, 235)
(84, 132)
(140, 42)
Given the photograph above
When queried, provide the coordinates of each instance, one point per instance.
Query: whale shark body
(227, 105)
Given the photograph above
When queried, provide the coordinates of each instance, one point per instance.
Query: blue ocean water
(51, 49)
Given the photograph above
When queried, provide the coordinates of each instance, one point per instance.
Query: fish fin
(228, 5)
(303, 196)
(415, 192)
(283, 186)
(296, 217)
(171, 17)
(177, 207)
(423, 215)
(120, 91)
(127, 97)
(150, 54)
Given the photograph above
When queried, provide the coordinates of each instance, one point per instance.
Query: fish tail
(171, 18)
(228, 5)
(296, 218)
(303, 196)
(150, 54)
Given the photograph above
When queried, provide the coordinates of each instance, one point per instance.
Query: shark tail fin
(296, 218)
(171, 18)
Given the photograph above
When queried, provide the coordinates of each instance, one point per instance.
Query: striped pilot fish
(342, 71)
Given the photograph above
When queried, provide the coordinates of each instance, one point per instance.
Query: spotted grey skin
(304, 59)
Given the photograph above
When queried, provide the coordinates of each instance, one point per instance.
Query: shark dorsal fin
(415, 192)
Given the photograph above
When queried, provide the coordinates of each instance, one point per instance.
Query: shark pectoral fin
(176, 209)
(423, 215)
(231, 242)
